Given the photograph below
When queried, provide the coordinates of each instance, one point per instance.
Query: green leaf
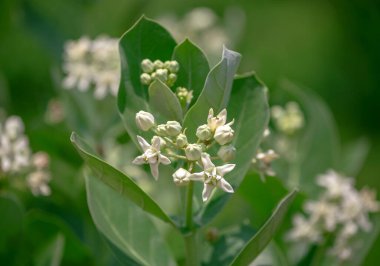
(216, 91)
(353, 157)
(52, 254)
(262, 238)
(164, 101)
(118, 181)
(145, 39)
(126, 225)
(194, 67)
(249, 107)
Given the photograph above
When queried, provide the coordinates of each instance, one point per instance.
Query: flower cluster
(158, 70)
(92, 63)
(170, 143)
(341, 211)
(16, 158)
(288, 120)
(263, 162)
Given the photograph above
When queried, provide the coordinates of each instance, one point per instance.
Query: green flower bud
(158, 64)
(193, 152)
(204, 133)
(227, 153)
(173, 128)
(171, 79)
(173, 66)
(144, 120)
(145, 79)
(147, 66)
(181, 140)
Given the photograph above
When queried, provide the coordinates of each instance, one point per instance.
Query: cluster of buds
(288, 120)
(94, 63)
(158, 70)
(17, 160)
(263, 162)
(170, 143)
(341, 210)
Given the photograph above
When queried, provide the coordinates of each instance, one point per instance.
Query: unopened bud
(204, 133)
(181, 177)
(147, 66)
(171, 79)
(173, 66)
(40, 160)
(158, 64)
(173, 128)
(227, 153)
(184, 95)
(181, 140)
(161, 74)
(224, 134)
(144, 120)
(193, 152)
(161, 130)
(145, 79)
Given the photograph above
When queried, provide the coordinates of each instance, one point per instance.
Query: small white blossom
(214, 122)
(38, 183)
(181, 177)
(144, 120)
(212, 176)
(289, 119)
(263, 162)
(152, 155)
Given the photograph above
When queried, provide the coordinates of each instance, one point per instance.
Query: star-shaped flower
(212, 176)
(152, 155)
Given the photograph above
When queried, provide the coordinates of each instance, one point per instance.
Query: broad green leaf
(216, 91)
(126, 225)
(262, 238)
(353, 157)
(194, 67)
(249, 107)
(118, 181)
(52, 254)
(164, 101)
(145, 39)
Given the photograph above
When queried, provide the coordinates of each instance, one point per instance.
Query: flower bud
(181, 140)
(204, 133)
(158, 64)
(161, 74)
(40, 160)
(161, 130)
(173, 128)
(184, 95)
(144, 120)
(173, 66)
(147, 66)
(224, 134)
(193, 152)
(145, 79)
(181, 177)
(171, 79)
(227, 153)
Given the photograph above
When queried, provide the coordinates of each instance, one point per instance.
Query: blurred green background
(330, 46)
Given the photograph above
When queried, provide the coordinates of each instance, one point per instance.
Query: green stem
(191, 236)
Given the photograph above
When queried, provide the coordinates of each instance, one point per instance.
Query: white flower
(144, 120)
(263, 161)
(215, 122)
(304, 230)
(38, 183)
(40, 160)
(335, 184)
(181, 177)
(289, 119)
(152, 155)
(224, 134)
(212, 176)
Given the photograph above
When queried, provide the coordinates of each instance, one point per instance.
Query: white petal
(206, 161)
(207, 189)
(154, 170)
(164, 160)
(224, 169)
(197, 176)
(156, 143)
(139, 160)
(223, 184)
(143, 143)
(223, 117)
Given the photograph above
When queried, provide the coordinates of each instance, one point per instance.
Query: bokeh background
(329, 46)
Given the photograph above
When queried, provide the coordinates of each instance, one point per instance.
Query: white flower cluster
(158, 70)
(263, 162)
(288, 120)
(92, 63)
(16, 157)
(171, 143)
(341, 210)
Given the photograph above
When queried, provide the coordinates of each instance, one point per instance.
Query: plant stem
(191, 236)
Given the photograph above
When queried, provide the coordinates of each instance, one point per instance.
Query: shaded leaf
(52, 254)
(126, 225)
(262, 238)
(354, 156)
(118, 181)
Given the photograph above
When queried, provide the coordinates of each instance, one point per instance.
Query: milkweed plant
(202, 139)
